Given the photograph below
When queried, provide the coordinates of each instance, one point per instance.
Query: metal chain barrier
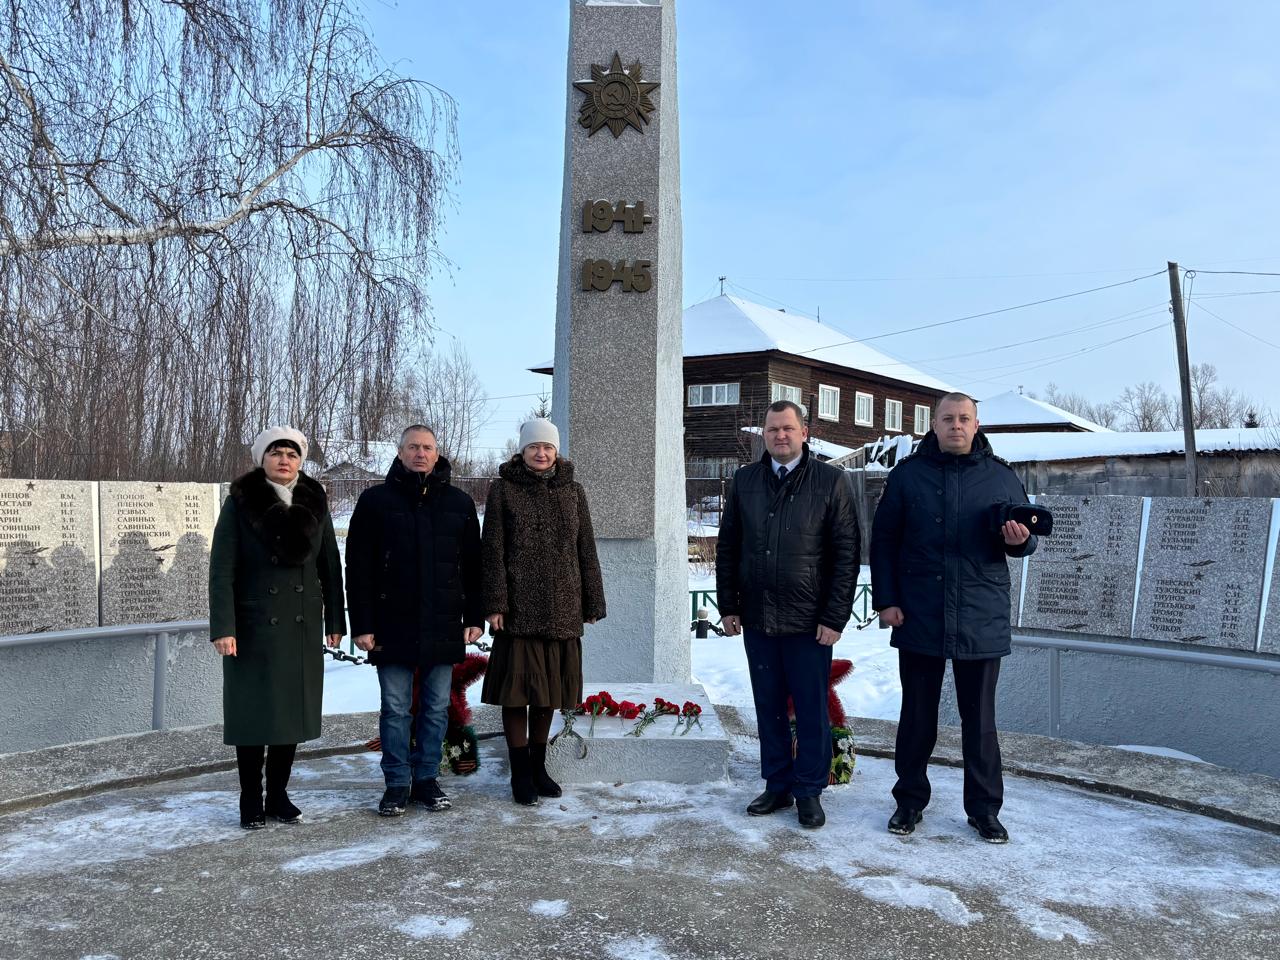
(343, 657)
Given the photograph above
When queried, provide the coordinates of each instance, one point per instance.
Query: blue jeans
(799, 667)
(399, 767)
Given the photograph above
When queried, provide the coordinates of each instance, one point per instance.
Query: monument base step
(609, 754)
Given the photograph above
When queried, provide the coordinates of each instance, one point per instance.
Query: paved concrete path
(641, 871)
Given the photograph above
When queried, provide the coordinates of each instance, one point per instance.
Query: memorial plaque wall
(1202, 571)
(155, 550)
(1015, 587)
(1082, 578)
(48, 556)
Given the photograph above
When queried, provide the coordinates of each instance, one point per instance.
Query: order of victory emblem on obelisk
(616, 98)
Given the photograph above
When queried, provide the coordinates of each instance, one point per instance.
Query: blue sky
(894, 165)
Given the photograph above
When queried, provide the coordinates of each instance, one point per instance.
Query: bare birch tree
(214, 214)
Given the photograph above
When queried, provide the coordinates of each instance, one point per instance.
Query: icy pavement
(640, 871)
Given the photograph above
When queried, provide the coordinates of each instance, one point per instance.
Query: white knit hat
(539, 431)
(270, 435)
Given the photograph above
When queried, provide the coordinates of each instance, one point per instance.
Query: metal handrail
(1125, 647)
(104, 633)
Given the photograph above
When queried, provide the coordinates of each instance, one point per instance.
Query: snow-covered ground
(1133, 879)
(719, 664)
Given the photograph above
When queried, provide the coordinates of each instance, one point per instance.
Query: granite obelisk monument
(617, 395)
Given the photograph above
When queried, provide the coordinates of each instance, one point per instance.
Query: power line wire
(1247, 333)
(918, 279)
(990, 313)
(988, 276)
(1239, 273)
(1235, 293)
(1139, 314)
(1039, 362)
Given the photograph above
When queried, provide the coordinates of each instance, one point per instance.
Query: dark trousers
(918, 730)
(798, 667)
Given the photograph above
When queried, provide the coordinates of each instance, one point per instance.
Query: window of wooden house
(893, 415)
(784, 391)
(713, 395)
(828, 402)
(864, 410)
(922, 419)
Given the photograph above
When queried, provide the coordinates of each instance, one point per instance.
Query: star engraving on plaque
(615, 98)
(31, 485)
(159, 489)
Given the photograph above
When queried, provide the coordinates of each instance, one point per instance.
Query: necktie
(782, 473)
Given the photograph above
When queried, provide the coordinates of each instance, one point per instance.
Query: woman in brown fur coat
(541, 584)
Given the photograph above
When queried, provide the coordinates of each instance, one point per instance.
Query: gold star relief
(616, 98)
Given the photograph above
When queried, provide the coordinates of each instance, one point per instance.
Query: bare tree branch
(213, 214)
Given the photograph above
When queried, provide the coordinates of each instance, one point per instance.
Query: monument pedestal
(661, 752)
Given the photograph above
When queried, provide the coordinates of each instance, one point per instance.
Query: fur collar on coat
(292, 531)
(514, 471)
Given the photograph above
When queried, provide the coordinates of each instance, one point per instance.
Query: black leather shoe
(809, 812)
(904, 821)
(990, 829)
(769, 802)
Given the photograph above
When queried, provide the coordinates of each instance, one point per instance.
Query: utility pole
(1184, 375)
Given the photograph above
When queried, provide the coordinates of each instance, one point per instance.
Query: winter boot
(393, 802)
(249, 766)
(279, 766)
(429, 794)
(522, 788)
(542, 781)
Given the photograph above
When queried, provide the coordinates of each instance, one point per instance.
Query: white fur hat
(539, 431)
(270, 435)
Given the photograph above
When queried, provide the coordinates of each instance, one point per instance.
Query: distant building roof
(374, 457)
(1032, 447)
(725, 325)
(1012, 408)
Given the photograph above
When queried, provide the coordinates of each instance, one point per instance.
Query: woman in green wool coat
(275, 587)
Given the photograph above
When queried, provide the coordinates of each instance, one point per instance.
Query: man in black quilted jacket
(786, 567)
(414, 601)
(940, 579)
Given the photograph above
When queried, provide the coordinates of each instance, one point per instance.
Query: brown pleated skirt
(533, 672)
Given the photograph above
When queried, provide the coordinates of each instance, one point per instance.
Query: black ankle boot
(542, 781)
(249, 766)
(522, 788)
(279, 766)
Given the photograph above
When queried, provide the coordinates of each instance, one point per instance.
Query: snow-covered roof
(823, 448)
(726, 324)
(1029, 447)
(1007, 409)
(376, 460)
